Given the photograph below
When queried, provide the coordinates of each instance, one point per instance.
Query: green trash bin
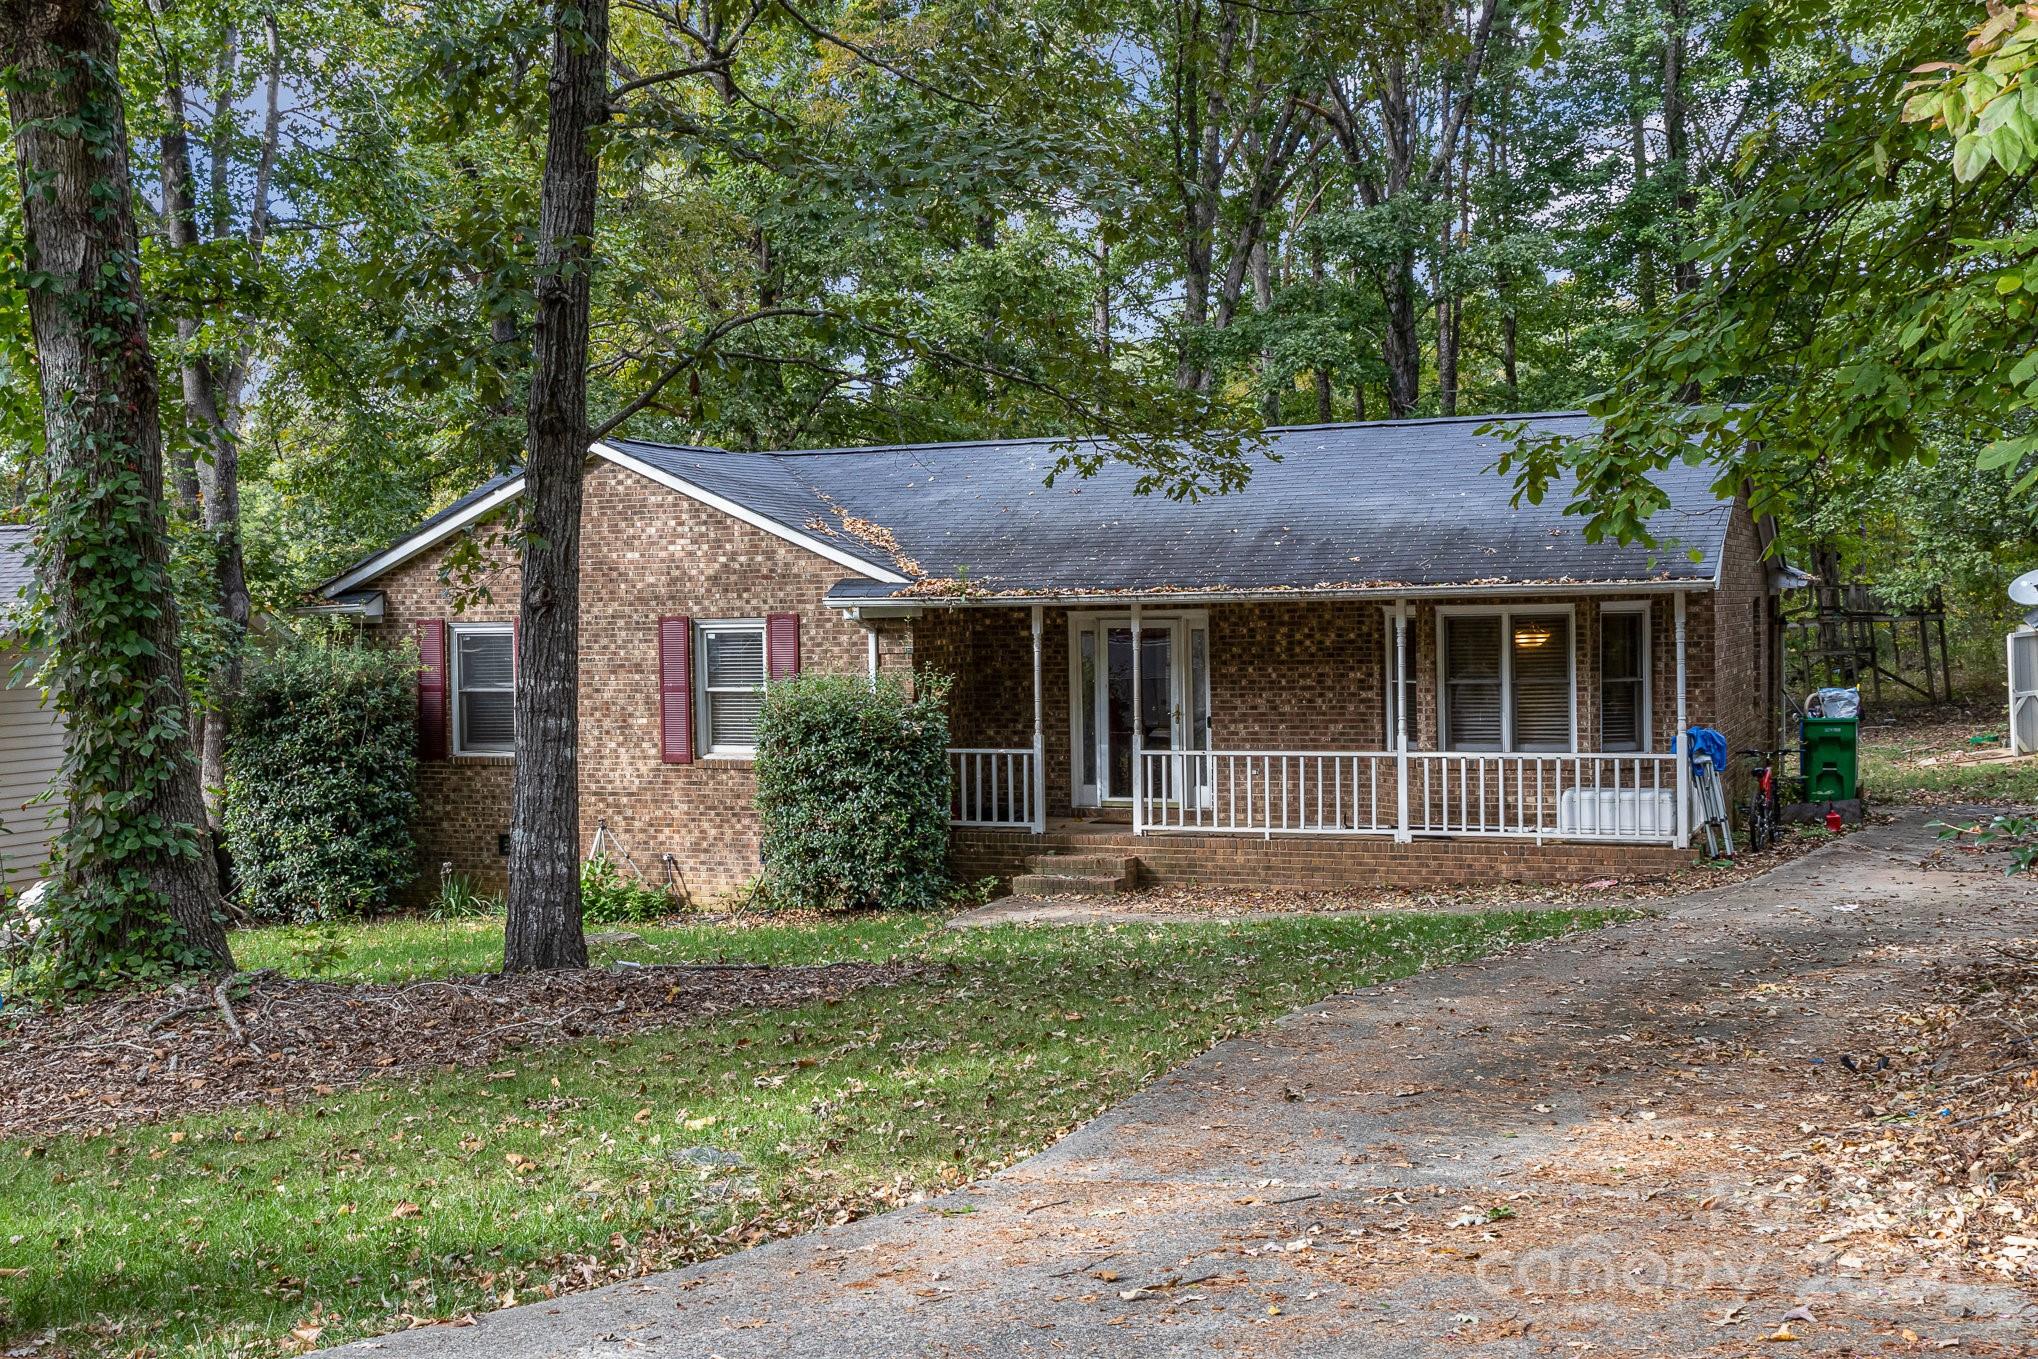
(1831, 758)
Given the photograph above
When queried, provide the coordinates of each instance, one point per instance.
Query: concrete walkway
(1583, 1146)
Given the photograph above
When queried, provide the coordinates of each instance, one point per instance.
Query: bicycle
(1765, 807)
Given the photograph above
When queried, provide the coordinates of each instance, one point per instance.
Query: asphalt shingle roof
(1410, 503)
(1345, 508)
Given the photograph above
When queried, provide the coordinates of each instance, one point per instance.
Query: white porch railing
(992, 786)
(1560, 796)
(1557, 796)
(1270, 792)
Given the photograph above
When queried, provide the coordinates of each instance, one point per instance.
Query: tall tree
(215, 255)
(544, 928)
(137, 888)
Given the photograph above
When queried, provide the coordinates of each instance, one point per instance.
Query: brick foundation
(1313, 862)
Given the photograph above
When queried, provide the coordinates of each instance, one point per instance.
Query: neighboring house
(1542, 675)
(31, 734)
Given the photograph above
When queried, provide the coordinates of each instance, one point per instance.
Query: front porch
(1523, 727)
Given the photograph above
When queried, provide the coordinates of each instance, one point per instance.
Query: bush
(321, 785)
(610, 897)
(852, 785)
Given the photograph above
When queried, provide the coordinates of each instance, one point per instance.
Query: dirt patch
(166, 1054)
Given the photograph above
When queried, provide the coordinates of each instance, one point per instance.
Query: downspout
(1683, 741)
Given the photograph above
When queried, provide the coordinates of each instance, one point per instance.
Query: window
(1507, 680)
(1392, 725)
(731, 678)
(484, 688)
(1624, 677)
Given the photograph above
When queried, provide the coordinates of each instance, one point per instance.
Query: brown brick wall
(1291, 675)
(647, 552)
(1315, 863)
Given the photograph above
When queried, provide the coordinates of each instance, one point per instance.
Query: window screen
(484, 673)
(1623, 694)
(1472, 683)
(1542, 681)
(732, 684)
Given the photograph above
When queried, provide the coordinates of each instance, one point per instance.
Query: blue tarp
(1706, 741)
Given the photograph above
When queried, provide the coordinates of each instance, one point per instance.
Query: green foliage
(852, 787)
(610, 897)
(2015, 834)
(460, 899)
(322, 780)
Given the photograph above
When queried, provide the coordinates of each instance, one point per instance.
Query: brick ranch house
(1541, 676)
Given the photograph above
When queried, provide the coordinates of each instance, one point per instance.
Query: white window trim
(704, 741)
(1506, 613)
(1648, 661)
(454, 632)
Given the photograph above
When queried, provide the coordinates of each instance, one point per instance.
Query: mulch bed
(270, 1040)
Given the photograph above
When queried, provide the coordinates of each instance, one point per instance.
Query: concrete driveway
(1580, 1147)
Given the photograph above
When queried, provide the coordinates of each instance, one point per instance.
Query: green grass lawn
(1894, 755)
(354, 1213)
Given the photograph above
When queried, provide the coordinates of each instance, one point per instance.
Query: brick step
(1069, 884)
(1083, 863)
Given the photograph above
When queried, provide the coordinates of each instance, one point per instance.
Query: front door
(1172, 707)
(1156, 709)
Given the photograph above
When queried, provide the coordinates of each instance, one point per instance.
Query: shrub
(852, 785)
(609, 897)
(321, 784)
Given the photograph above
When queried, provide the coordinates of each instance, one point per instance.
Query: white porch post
(1402, 834)
(1138, 737)
(1683, 737)
(1039, 736)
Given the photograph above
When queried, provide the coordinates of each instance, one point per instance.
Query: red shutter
(675, 690)
(432, 727)
(782, 645)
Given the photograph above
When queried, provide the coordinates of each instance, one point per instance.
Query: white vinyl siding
(1624, 677)
(730, 685)
(484, 689)
(1508, 679)
(31, 760)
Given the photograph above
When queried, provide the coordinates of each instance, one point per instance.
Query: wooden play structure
(1844, 634)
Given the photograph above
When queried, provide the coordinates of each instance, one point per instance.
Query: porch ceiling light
(1532, 635)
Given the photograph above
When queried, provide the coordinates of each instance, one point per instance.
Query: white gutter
(1165, 598)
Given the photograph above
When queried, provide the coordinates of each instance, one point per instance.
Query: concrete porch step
(1083, 863)
(1076, 875)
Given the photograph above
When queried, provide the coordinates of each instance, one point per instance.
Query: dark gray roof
(1337, 508)
(17, 574)
(1340, 507)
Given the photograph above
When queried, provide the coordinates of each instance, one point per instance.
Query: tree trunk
(544, 890)
(1677, 144)
(1645, 258)
(1401, 345)
(1100, 308)
(1263, 302)
(103, 558)
(1321, 377)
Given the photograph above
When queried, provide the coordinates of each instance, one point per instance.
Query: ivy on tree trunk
(137, 892)
(544, 889)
